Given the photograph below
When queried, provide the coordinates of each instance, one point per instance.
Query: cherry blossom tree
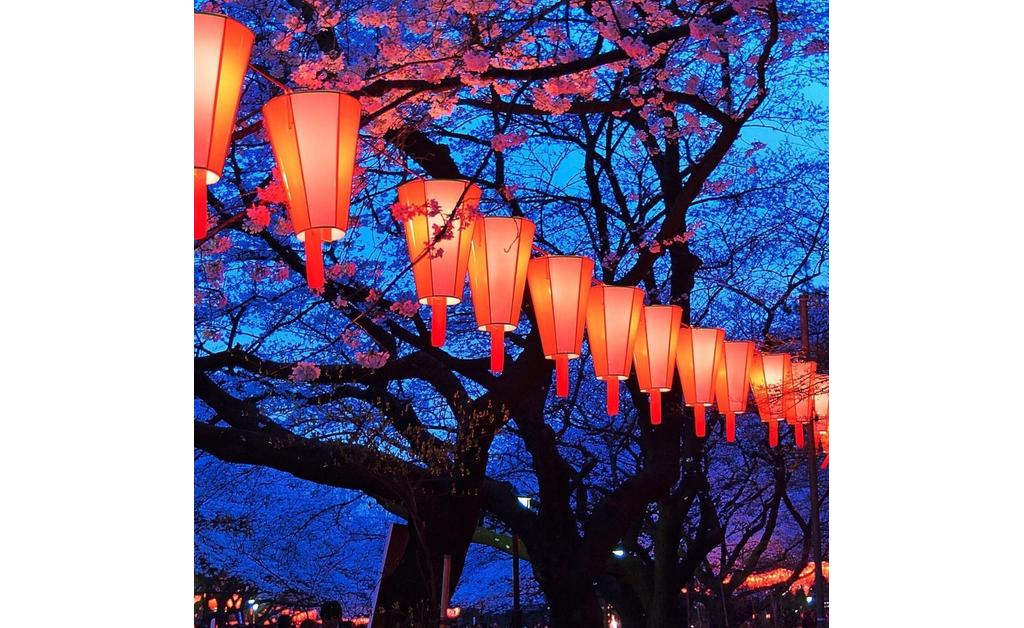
(671, 142)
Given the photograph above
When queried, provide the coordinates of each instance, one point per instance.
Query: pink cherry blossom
(372, 359)
(304, 372)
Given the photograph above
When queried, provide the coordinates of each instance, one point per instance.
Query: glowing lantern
(698, 355)
(560, 289)
(802, 411)
(221, 58)
(821, 402)
(497, 277)
(314, 136)
(438, 215)
(453, 612)
(733, 382)
(654, 355)
(821, 411)
(613, 316)
(771, 376)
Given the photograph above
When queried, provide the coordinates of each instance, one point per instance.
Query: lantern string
(273, 80)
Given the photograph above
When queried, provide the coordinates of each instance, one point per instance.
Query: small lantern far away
(698, 355)
(221, 59)
(771, 377)
(438, 216)
(821, 415)
(654, 355)
(732, 385)
(497, 277)
(314, 135)
(802, 411)
(559, 290)
(613, 317)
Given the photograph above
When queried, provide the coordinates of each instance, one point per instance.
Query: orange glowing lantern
(314, 136)
(698, 356)
(453, 612)
(560, 289)
(438, 215)
(613, 317)
(654, 355)
(802, 411)
(221, 58)
(733, 382)
(771, 377)
(497, 277)
(821, 411)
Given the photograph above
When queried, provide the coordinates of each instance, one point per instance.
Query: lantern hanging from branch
(802, 411)
(439, 216)
(613, 317)
(654, 355)
(732, 386)
(771, 377)
(559, 290)
(698, 356)
(497, 277)
(221, 58)
(314, 136)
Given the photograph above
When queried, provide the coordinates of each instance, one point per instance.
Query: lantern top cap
(301, 92)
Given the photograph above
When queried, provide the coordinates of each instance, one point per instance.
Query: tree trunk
(574, 604)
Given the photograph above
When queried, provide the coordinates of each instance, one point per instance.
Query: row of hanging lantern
(314, 134)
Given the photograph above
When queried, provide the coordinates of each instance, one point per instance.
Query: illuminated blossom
(259, 218)
(372, 359)
(407, 309)
(477, 61)
(701, 28)
(305, 372)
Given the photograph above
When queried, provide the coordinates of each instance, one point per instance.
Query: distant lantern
(221, 58)
(654, 355)
(497, 277)
(698, 355)
(732, 385)
(802, 411)
(439, 216)
(314, 136)
(560, 289)
(771, 376)
(613, 317)
(820, 407)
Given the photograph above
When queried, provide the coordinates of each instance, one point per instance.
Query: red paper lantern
(698, 355)
(771, 377)
(221, 58)
(560, 289)
(654, 355)
(732, 385)
(498, 259)
(314, 136)
(613, 317)
(439, 216)
(820, 407)
(802, 411)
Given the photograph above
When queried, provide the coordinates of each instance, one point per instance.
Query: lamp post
(812, 472)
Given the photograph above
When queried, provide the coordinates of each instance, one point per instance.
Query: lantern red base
(438, 321)
(199, 181)
(824, 463)
(314, 260)
(655, 407)
(730, 427)
(798, 432)
(698, 421)
(773, 433)
(497, 350)
(561, 375)
(612, 392)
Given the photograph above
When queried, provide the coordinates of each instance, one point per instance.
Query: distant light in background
(525, 501)
(619, 552)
